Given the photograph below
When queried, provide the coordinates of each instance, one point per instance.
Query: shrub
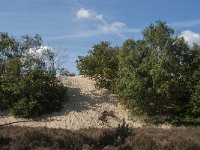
(101, 64)
(28, 84)
(154, 76)
(195, 101)
(158, 74)
(38, 92)
(13, 137)
(2, 103)
(195, 88)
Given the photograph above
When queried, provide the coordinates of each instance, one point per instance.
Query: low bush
(195, 101)
(100, 64)
(38, 92)
(28, 83)
(19, 138)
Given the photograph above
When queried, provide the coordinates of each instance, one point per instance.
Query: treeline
(159, 74)
(28, 83)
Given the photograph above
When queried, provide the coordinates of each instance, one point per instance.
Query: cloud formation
(88, 14)
(113, 27)
(104, 27)
(190, 37)
(37, 52)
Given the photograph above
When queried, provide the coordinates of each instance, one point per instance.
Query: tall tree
(101, 64)
(156, 74)
(28, 85)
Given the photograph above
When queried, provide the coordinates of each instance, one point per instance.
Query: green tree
(28, 84)
(195, 69)
(8, 49)
(101, 64)
(157, 73)
(132, 78)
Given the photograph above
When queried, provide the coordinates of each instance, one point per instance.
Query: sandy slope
(83, 110)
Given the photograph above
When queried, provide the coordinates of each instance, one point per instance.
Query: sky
(72, 27)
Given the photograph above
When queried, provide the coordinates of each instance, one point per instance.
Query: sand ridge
(87, 107)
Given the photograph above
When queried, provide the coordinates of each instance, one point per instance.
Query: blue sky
(74, 26)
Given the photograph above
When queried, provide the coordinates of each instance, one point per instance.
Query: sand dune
(87, 107)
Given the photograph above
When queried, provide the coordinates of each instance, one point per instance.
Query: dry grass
(19, 138)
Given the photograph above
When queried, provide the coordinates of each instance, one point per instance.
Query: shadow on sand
(78, 102)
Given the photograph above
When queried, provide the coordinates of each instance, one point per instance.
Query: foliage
(38, 92)
(100, 64)
(195, 99)
(158, 74)
(28, 85)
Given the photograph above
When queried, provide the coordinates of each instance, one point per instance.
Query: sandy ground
(84, 109)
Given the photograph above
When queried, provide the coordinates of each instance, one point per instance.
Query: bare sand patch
(84, 109)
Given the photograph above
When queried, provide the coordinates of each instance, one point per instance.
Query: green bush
(2, 102)
(195, 99)
(100, 64)
(25, 108)
(158, 74)
(38, 92)
(28, 85)
(195, 102)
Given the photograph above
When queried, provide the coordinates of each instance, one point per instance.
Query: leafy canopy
(28, 85)
(155, 75)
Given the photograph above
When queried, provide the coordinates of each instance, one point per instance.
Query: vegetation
(158, 74)
(101, 64)
(21, 138)
(28, 85)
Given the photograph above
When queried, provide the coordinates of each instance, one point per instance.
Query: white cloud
(43, 53)
(113, 27)
(102, 26)
(104, 29)
(190, 37)
(88, 14)
(37, 52)
(83, 13)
